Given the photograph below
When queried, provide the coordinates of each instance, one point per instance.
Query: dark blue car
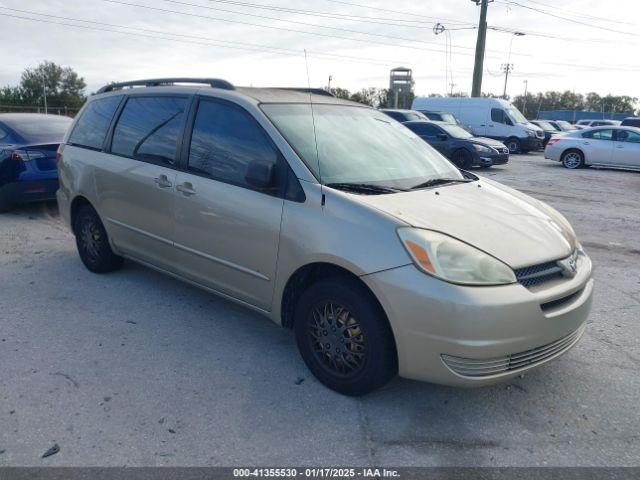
(28, 145)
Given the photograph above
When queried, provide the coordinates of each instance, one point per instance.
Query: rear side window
(627, 136)
(148, 129)
(92, 126)
(599, 134)
(225, 140)
(631, 122)
(425, 129)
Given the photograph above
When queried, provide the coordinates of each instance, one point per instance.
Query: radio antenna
(313, 122)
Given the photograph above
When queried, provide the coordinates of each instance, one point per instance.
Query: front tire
(514, 145)
(462, 159)
(344, 337)
(93, 242)
(573, 159)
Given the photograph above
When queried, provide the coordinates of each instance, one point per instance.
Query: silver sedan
(606, 146)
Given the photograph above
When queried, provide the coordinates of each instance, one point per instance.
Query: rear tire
(93, 242)
(344, 337)
(573, 159)
(514, 145)
(462, 159)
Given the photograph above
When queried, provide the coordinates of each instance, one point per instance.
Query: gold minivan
(330, 218)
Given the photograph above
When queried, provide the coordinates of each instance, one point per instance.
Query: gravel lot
(135, 368)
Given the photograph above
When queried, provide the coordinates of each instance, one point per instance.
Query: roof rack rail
(315, 91)
(155, 82)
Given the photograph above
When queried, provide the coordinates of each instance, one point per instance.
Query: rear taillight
(552, 141)
(59, 152)
(19, 156)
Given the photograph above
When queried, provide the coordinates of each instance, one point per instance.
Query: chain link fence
(51, 110)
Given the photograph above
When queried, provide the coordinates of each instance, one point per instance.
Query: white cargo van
(488, 117)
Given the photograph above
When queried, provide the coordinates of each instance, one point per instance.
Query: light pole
(44, 90)
(524, 103)
(508, 67)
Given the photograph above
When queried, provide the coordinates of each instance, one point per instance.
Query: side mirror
(260, 174)
(443, 137)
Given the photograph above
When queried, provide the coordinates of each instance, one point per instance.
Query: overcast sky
(593, 47)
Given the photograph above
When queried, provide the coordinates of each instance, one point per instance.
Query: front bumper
(531, 143)
(434, 322)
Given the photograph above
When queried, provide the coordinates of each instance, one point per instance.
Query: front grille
(538, 274)
(468, 367)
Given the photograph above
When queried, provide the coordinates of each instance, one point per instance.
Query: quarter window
(225, 140)
(91, 128)
(148, 129)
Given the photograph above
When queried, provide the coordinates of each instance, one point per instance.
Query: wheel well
(76, 205)
(304, 277)
(512, 138)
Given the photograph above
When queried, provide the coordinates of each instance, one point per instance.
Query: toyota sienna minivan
(330, 218)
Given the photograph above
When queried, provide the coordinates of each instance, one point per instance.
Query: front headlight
(454, 261)
(531, 133)
(482, 148)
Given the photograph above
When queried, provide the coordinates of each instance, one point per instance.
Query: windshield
(456, 131)
(448, 118)
(516, 116)
(565, 125)
(51, 126)
(358, 145)
(545, 125)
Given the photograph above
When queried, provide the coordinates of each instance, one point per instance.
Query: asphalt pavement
(136, 368)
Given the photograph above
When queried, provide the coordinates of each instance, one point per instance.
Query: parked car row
(488, 117)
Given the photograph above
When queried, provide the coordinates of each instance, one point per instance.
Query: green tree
(63, 85)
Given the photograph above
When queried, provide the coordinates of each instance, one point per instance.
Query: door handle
(186, 189)
(586, 143)
(162, 181)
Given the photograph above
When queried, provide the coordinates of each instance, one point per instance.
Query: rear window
(148, 129)
(92, 126)
(47, 126)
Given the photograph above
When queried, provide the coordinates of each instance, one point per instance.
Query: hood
(489, 142)
(503, 222)
(533, 126)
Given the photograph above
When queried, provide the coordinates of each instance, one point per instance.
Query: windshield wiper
(369, 188)
(439, 181)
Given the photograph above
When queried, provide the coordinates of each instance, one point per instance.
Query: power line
(567, 19)
(405, 23)
(326, 35)
(315, 25)
(208, 41)
(583, 15)
(368, 7)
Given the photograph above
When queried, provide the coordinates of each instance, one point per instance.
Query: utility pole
(452, 85)
(524, 103)
(329, 85)
(507, 68)
(478, 66)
